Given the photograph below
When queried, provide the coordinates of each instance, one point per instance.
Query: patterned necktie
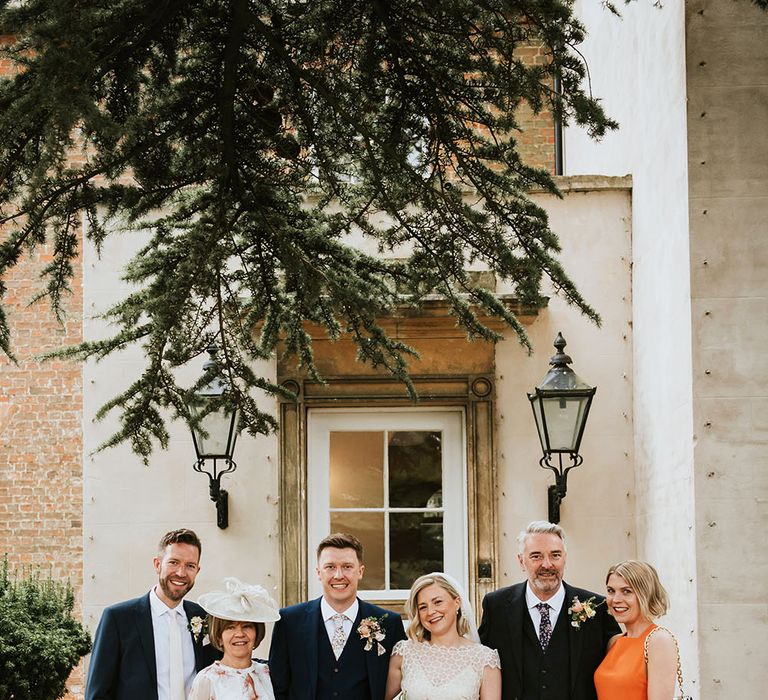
(545, 626)
(339, 638)
(176, 658)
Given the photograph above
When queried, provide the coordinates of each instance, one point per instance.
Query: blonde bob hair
(416, 630)
(644, 581)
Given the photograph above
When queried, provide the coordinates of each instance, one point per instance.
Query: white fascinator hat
(240, 602)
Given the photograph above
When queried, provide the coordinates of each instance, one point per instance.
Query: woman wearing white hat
(235, 626)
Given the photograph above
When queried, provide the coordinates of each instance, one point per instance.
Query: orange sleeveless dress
(622, 674)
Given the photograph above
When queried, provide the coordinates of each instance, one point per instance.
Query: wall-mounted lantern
(214, 435)
(560, 405)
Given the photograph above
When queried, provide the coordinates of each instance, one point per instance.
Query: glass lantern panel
(564, 418)
(217, 426)
(536, 405)
(356, 469)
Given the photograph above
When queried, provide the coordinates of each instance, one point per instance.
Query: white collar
(328, 612)
(555, 602)
(158, 607)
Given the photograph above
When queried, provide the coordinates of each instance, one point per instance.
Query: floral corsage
(370, 630)
(581, 612)
(199, 628)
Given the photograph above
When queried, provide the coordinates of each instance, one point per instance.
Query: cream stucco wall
(594, 227)
(637, 68)
(129, 506)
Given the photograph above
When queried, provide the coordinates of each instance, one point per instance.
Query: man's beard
(172, 593)
(547, 585)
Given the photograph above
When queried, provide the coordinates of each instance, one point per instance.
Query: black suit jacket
(123, 663)
(293, 652)
(504, 615)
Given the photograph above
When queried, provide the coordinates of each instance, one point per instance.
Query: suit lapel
(146, 634)
(517, 617)
(365, 611)
(189, 613)
(575, 635)
(375, 686)
(312, 622)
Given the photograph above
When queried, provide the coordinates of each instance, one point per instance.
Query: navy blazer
(122, 665)
(293, 652)
(505, 613)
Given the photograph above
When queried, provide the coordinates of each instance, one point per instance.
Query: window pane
(369, 529)
(415, 469)
(416, 546)
(357, 469)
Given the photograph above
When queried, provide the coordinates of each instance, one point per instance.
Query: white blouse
(220, 682)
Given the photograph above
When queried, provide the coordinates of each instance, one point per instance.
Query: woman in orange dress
(635, 597)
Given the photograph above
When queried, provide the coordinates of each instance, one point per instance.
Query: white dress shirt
(162, 615)
(555, 605)
(330, 626)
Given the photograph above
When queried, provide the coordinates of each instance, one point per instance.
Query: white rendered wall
(727, 45)
(637, 67)
(129, 506)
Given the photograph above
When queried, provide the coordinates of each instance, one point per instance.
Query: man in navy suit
(137, 654)
(325, 649)
(544, 655)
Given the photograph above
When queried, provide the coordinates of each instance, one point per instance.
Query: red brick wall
(40, 433)
(41, 442)
(536, 139)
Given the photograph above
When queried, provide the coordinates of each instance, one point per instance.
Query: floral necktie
(545, 626)
(339, 638)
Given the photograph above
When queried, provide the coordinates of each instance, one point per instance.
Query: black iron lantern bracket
(219, 495)
(556, 492)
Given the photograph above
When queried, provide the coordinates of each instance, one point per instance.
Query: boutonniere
(581, 612)
(199, 628)
(370, 630)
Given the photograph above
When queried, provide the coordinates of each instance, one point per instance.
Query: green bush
(40, 641)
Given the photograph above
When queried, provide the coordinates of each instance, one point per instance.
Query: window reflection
(416, 546)
(369, 529)
(415, 469)
(357, 469)
(386, 488)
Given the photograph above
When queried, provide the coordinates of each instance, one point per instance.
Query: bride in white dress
(442, 659)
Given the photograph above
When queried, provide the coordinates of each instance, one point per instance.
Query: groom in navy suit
(134, 657)
(326, 649)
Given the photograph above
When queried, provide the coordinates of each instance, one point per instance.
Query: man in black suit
(327, 648)
(144, 648)
(547, 650)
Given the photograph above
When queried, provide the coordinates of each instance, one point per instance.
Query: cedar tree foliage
(243, 142)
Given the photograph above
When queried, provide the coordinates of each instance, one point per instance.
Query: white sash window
(396, 479)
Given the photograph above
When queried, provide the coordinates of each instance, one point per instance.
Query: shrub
(40, 641)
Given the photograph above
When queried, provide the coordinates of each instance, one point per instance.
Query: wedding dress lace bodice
(443, 673)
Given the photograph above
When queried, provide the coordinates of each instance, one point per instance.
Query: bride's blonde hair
(416, 630)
